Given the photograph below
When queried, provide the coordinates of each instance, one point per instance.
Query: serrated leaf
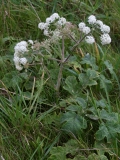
(24, 75)
(74, 108)
(108, 130)
(5, 39)
(102, 103)
(72, 146)
(113, 117)
(85, 81)
(73, 122)
(88, 59)
(12, 79)
(58, 153)
(104, 82)
(97, 157)
(109, 66)
(71, 85)
(79, 157)
(70, 149)
(92, 73)
(82, 102)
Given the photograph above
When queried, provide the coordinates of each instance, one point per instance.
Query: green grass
(38, 123)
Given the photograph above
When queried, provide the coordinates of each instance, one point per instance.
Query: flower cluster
(96, 24)
(54, 28)
(54, 19)
(20, 49)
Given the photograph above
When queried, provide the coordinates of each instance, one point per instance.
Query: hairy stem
(73, 48)
(59, 77)
(61, 67)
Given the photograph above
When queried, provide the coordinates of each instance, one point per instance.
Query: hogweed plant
(86, 105)
(57, 30)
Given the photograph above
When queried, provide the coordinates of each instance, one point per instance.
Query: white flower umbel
(43, 25)
(20, 49)
(86, 30)
(16, 60)
(105, 39)
(46, 32)
(91, 19)
(22, 43)
(23, 61)
(89, 39)
(23, 49)
(99, 23)
(81, 25)
(30, 41)
(17, 63)
(61, 21)
(49, 20)
(54, 16)
(56, 36)
(105, 29)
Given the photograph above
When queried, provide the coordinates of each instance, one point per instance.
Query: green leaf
(12, 79)
(88, 59)
(109, 66)
(109, 116)
(5, 39)
(82, 102)
(58, 153)
(104, 82)
(71, 85)
(79, 157)
(70, 149)
(102, 103)
(73, 122)
(108, 130)
(85, 81)
(97, 157)
(92, 73)
(74, 108)
(72, 146)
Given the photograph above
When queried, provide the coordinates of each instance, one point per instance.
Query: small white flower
(16, 60)
(91, 19)
(17, 48)
(99, 23)
(86, 30)
(22, 43)
(43, 25)
(49, 20)
(18, 67)
(105, 29)
(62, 21)
(30, 42)
(81, 25)
(23, 61)
(56, 36)
(89, 39)
(46, 33)
(23, 49)
(56, 33)
(54, 16)
(105, 39)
